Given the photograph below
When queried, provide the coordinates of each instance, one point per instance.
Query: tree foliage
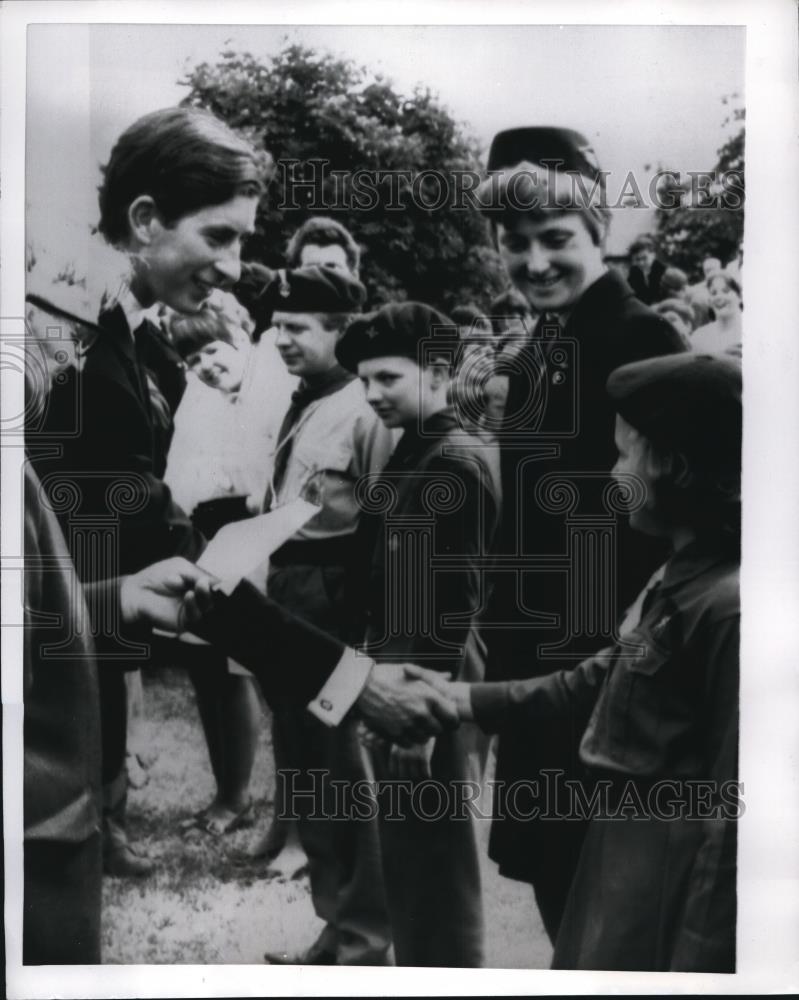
(331, 123)
(687, 233)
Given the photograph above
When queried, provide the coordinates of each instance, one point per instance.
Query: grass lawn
(199, 908)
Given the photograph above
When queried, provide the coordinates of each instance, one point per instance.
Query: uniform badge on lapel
(659, 628)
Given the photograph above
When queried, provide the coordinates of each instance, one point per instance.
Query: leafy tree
(688, 232)
(369, 157)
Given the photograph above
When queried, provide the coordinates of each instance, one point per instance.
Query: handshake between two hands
(403, 703)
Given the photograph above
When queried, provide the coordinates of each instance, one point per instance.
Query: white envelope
(242, 546)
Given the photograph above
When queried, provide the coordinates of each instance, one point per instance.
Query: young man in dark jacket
(178, 196)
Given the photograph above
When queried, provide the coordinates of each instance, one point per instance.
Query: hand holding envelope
(240, 547)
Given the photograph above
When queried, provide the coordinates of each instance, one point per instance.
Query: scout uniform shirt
(329, 439)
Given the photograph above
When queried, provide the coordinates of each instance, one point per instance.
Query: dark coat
(117, 457)
(291, 658)
(648, 289)
(655, 885)
(62, 710)
(445, 481)
(578, 564)
(431, 546)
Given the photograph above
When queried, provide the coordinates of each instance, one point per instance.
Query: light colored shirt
(223, 444)
(712, 338)
(336, 440)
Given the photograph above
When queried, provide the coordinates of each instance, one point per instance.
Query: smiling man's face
(185, 261)
(550, 257)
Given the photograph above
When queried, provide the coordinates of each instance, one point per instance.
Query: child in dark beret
(655, 884)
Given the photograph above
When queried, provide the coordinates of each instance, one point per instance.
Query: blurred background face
(551, 258)
(306, 347)
(395, 388)
(724, 300)
(220, 365)
(643, 259)
(334, 256)
(710, 266)
(184, 263)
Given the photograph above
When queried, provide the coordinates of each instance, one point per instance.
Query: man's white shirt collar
(135, 313)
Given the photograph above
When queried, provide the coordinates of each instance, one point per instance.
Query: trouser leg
(113, 723)
(342, 848)
(61, 908)
(431, 865)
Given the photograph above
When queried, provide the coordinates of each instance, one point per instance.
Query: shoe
(269, 845)
(321, 952)
(218, 820)
(137, 772)
(123, 861)
(191, 822)
(310, 957)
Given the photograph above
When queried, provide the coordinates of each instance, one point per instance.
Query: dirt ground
(199, 908)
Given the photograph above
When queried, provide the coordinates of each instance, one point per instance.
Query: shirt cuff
(342, 688)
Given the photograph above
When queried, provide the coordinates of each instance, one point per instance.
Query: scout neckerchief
(301, 398)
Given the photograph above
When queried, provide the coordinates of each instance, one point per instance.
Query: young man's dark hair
(322, 231)
(179, 195)
(184, 159)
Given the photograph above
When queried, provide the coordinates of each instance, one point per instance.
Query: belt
(335, 551)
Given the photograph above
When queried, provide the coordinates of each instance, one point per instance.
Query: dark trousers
(431, 862)
(114, 734)
(343, 850)
(61, 908)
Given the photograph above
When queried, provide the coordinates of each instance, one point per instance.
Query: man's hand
(406, 708)
(458, 692)
(155, 594)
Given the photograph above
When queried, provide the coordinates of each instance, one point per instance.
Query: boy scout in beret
(328, 440)
(542, 197)
(437, 499)
(658, 709)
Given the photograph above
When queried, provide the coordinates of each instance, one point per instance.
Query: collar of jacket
(697, 558)
(415, 439)
(325, 385)
(604, 296)
(114, 324)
